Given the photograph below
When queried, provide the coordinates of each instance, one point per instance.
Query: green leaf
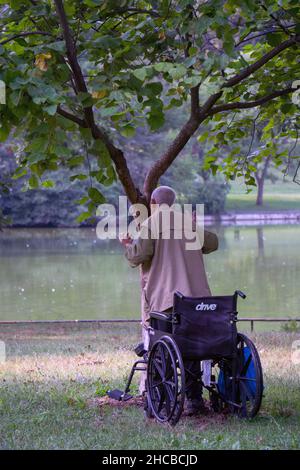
(274, 39)
(19, 173)
(140, 73)
(156, 120)
(162, 66)
(110, 111)
(48, 184)
(80, 177)
(83, 216)
(38, 144)
(51, 110)
(177, 71)
(96, 196)
(82, 201)
(85, 99)
(75, 161)
(4, 131)
(286, 107)
(58, 46)
(127, 131)
(86, 134)
(33, 182)
(193, 50)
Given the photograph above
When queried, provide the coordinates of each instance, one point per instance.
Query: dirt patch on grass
(107, 401)
(201, 421)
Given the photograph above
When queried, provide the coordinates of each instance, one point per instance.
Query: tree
(260, 176)
(101, 68)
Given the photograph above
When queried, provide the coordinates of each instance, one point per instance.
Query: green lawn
(277, 197)
(53, 380)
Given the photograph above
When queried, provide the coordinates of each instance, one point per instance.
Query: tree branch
(277, 20)
(199, 114)
(195, 100)
(25, 34)
(184, 135)
(260, 62)
(116, 154)
(262, 33)
(160, 166)
(71, 116)
(251, 104)
(138, 11)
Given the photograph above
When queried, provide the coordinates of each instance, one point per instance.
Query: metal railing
(261, 319)
(251, 320)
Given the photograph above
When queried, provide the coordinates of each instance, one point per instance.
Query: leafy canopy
(97, 69)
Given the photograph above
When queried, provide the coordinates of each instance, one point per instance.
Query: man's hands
(125, 239)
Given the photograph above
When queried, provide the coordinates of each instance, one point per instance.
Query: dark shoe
(195, 406)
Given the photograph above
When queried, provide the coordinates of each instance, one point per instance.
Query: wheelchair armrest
(161, 316)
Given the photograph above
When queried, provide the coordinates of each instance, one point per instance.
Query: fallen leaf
(41, 61)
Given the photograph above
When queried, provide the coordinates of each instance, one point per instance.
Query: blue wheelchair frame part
(250, 374)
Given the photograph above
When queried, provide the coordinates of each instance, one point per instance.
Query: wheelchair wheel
(147, 406)
(249, 378)
(221, 393)
(243, 395)
(166, 381)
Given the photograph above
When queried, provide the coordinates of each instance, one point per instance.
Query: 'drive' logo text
(203, 306)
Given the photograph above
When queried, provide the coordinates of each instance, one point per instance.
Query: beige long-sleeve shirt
(167, 265)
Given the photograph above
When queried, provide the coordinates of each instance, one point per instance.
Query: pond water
(69, 274)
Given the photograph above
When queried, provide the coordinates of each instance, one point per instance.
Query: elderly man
(168, 265)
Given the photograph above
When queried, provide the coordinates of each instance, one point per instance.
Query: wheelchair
(198, 329)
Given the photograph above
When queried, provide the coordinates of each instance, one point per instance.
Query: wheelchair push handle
(240, 293)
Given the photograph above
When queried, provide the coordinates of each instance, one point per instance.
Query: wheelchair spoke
(247, 392)
(163, 359)
(247, 379)
(172, 396)
(158, 368)
(244, 404)
(168, 365)
(170, 383)
(249, 389)
(168, 405)
(161, 401)
(246, 365)
(157, 384)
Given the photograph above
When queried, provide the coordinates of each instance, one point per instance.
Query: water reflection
(65, 274)
(260, 242)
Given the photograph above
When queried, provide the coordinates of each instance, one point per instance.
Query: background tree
(98, 69)
(260, 176)
(270, 152)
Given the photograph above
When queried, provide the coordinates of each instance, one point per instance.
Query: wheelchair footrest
(118, 395)
(140, 350)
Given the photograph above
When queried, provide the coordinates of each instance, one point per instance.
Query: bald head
(163, 195)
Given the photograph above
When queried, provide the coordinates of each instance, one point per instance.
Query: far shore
(251, 218)
(226, 218)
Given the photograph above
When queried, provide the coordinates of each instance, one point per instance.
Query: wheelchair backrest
(205, 327)
(221, 305)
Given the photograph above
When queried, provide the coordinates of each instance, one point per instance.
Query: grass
(52, 381)
(277, 197)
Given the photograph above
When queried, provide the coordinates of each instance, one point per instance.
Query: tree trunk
(260, 191)
(260, 179)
